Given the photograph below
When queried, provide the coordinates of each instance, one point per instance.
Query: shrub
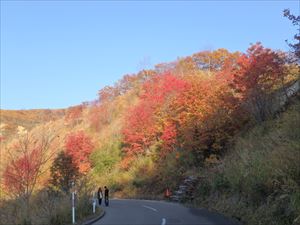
(203, 189)
(220, 182)
(105, 158)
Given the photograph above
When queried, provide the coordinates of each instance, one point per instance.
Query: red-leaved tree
(168, 137)
(79, 146)
(256, 75)
(28, 160)
(144, 122)
(21, 173)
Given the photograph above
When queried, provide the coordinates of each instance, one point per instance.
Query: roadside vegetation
(257, 182)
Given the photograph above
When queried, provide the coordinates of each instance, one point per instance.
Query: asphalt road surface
(144, 212)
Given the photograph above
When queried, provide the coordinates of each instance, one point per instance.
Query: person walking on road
(100, 195)
(106, 193)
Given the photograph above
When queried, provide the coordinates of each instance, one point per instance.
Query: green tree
(104, 159)
(63, 172)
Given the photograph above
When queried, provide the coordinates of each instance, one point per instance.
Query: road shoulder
(93, 220)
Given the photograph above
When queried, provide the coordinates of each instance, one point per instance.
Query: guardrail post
(94, 205)
(73, 204)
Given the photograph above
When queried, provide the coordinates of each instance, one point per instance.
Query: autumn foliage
(79, 146)
(255, 76)
(193, 106)
(188, 108)
(168, 137)
(74, 113)
(260, 69)
(21, 174)
(144, 122)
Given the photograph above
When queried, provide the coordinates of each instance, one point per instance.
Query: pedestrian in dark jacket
(106, 193)
(100, 195)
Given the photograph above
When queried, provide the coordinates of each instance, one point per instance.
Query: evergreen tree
(63, 172)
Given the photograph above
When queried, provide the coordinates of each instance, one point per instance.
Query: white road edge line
(164, 221)
(148, 207)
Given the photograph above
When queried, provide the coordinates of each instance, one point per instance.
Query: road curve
(146, 212)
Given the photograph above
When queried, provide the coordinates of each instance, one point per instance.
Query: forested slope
(147, 132)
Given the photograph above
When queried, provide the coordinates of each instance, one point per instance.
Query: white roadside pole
(73, 203)
(94, 202)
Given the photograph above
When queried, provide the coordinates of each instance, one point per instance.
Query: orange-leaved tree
(204, 114)
(79, 146)
(256, 76)
(74, 113)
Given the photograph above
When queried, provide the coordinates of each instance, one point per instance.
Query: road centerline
(148, 207)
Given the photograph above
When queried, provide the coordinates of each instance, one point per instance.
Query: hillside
(257, 182)
(12, 119)
(193, 116)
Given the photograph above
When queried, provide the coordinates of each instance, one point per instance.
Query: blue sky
(56, 54)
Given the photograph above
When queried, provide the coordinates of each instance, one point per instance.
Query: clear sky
(55, 54)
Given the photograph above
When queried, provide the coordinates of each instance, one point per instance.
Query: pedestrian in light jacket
(100, 195)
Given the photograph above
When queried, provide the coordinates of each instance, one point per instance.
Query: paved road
(144, 212)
